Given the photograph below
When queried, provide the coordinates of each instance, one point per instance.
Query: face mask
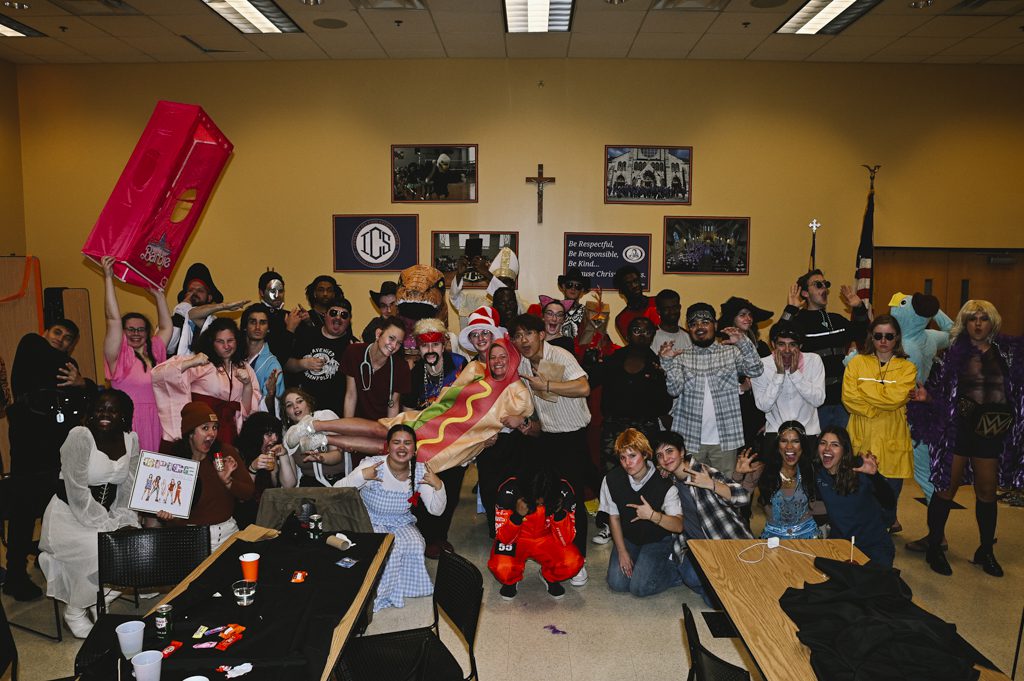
(273, 295)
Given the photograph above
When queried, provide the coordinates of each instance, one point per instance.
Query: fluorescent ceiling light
(254, 16)
(827, 17)
(9, 28)
(538, 16)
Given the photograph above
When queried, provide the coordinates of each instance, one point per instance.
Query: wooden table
(750, 595)
(255, 533)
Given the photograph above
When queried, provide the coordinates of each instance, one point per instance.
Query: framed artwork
(599, 254)
(437, 173)
(382, 243)
(447, 247)
(648, 175)
(164, 483)
(706, 245)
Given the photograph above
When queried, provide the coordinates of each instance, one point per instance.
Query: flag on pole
(865, 251)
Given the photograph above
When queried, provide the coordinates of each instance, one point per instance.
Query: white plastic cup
(197, 678)
(147, 665)
(129, 636)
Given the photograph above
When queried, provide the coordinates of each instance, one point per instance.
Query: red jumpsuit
(545, 538)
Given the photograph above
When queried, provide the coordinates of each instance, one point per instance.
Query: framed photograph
(438, 173)
(382, 243)
(447, 247)
(706, 245)
(599, 254)
(164, 483)
(648, 175)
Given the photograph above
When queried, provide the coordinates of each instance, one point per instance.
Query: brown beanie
(195, 414)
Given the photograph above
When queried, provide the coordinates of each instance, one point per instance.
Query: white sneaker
(581, 577)
(295, 433)
(316, 442)
(603, 536)
(78, 621)
(110, 596)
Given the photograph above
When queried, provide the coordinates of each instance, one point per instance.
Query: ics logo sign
(375, 243)
(634, 254)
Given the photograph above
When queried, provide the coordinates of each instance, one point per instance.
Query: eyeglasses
(135, 329)
(576, 285)
(554, 314)
(473, 335)
(344, 314)
(886, 336)
(824, 283)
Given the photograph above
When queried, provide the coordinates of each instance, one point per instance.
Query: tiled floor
(614, 636)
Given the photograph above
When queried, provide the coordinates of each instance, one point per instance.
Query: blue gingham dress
(405, 574)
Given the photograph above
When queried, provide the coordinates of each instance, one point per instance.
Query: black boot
(937, 561)
(986, 560)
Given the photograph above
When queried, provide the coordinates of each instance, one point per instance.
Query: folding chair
(705, 665)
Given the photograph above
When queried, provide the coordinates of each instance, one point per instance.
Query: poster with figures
(164, 483)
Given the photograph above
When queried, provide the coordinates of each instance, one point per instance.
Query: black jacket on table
(861, 624)
(829, 336)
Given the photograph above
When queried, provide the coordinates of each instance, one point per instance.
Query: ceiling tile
(252, 55)
(414, 41)
(465, 5)
(1012, 56)
(205, 23)
(165, 7)
(885, 25)
(105, 47)
(341, 45)
(10, 53)
(1010, 27)
(725, 46)
(404, 53)
(789, 47)
(468, 22)
(136, 27)
(45, 47)
(916, 46)
(235, 42)
(850, 48)
(38, 8)
(382, 21)
(938, 8)
(537, 45)
(605, 6)
(982, 47)
(748, 24)
(954, 26)
(600, 45)
(678, 22)
(287, 46)
(350, 17)
(610, 22)
(51, 26)
(170, 48)
(787, 7)
(75, 59)
(663, 45)
(953, 59)
(474, 45)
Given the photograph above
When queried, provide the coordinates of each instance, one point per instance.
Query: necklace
(788, 481)
(366, 379)
(883, 369)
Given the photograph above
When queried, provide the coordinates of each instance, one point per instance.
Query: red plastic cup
(250, 566)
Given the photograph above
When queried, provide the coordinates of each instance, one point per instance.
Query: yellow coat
(878, 411)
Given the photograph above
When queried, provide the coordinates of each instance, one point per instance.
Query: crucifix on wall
(541, 181)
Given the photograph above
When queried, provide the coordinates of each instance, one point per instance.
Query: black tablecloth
(288, 627)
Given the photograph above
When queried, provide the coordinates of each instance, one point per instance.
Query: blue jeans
(923, 469)
(691, 579)
(833, 415)
(653, 572)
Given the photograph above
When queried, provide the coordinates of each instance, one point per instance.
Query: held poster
(164, 483)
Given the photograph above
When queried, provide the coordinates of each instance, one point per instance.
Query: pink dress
(129, 374)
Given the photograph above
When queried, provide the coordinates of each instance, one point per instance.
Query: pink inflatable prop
(160, 195)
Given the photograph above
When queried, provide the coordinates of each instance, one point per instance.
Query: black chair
(8, 651)
(705, 665)
(419, 653)
(129, 557)
(149, 557)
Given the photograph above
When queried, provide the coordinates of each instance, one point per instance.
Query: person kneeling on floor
(535, 518)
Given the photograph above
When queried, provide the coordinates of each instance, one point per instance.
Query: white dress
(67, 544)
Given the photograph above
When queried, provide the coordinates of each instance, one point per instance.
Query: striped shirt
(718, 367)
(565, 414)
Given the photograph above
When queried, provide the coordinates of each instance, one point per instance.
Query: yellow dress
(876, 398)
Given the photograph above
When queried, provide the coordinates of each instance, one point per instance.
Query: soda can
(316, 526)
(162, 621)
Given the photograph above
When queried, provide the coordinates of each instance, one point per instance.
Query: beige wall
(12, 210)
(781, 143)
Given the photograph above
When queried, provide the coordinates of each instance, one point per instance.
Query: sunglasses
(338, 313)
(886, 336)
(822, 284)
(576, 285)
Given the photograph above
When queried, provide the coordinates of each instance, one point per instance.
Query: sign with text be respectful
(599, 255)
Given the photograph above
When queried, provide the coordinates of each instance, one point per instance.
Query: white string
(764, 546)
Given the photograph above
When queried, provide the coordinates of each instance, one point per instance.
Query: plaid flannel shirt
(718, 516)
(721, 365)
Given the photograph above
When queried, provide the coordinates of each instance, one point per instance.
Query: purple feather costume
(935, 422)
